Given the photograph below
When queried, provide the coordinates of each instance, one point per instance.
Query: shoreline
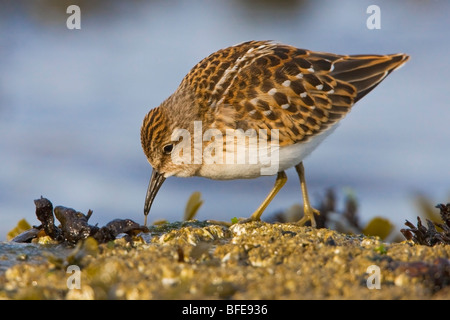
(257, 260)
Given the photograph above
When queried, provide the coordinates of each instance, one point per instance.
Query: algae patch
(256, 260)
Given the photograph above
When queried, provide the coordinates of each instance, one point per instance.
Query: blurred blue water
(72, 102)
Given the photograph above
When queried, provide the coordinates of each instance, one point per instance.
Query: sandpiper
(293, 98)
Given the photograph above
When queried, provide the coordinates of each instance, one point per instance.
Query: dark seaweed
(116, 227)
(74, 225)
(44, 213)
(429, 235)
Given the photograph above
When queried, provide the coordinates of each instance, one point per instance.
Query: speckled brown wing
(264, 85)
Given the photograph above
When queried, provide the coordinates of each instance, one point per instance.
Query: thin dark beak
(156, 181)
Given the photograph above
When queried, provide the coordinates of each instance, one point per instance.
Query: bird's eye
(168, 148)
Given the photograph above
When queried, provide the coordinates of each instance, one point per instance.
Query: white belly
(278, 159)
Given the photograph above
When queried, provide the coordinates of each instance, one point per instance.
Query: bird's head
(164, 140)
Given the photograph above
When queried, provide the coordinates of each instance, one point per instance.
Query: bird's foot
(309, 213)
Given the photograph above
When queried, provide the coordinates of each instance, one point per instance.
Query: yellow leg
(308, 210)
(279, 183)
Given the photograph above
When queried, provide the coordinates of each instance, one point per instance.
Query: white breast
(278, 159)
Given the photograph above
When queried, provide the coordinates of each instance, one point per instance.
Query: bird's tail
(365, 72)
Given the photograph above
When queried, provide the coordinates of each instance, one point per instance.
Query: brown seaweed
(435, 275)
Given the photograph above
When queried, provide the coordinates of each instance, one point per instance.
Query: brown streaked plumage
(261, 85)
